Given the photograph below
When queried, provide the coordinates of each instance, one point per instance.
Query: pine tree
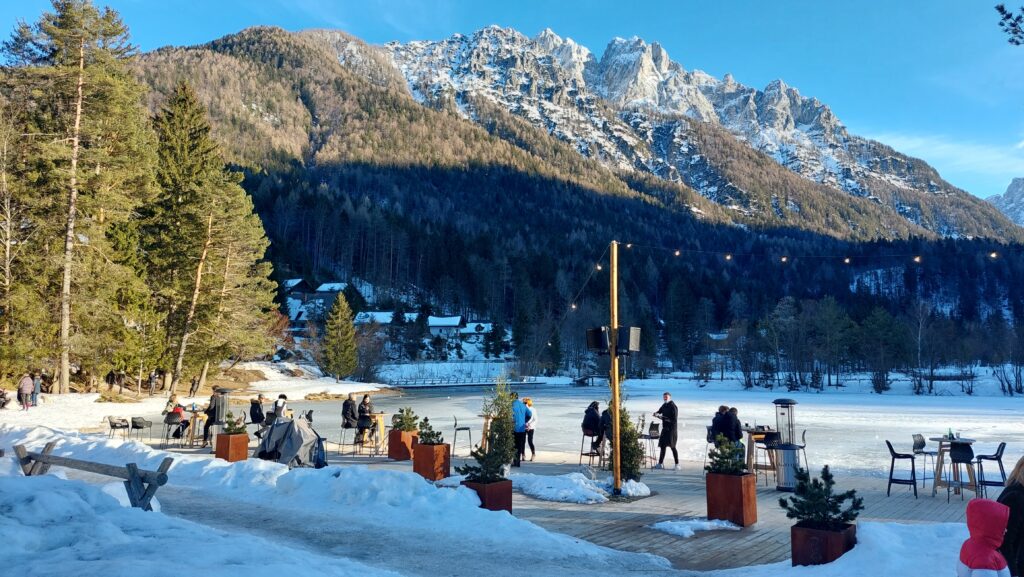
(69, 71)
(501, 448)
(205, 246)
(339, 346)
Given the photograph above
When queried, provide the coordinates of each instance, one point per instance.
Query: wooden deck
(626, 525)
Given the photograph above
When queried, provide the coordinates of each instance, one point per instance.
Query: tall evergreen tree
(205, 246)
(338, 351)
(69, 70)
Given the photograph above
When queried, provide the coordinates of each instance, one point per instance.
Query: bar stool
(652, 436)
(892, 467)
(803, 449)
(919, 449)
(711, 444)
(171, 422)
(766, 444)
(455, 437)
(592, 452)
(998, 458)
(960, 454)
(341, 439)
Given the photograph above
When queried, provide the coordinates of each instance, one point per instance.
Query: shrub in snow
(406, 420)
(631, 455)
(234, 425)
(815, 506)
(501, 447)
(726, 458)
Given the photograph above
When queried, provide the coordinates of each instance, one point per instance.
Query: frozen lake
(844, 430)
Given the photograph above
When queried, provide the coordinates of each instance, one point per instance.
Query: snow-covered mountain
(634, 108)
(1011, 202)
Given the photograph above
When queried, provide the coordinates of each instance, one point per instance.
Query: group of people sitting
(726, 422)
(358, 417)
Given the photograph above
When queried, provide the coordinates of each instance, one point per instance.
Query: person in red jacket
(979, 555)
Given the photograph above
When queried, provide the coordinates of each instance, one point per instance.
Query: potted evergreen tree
(233, 443)
(487, 477)
(431, 455)
(824, 531)
(402, 437)
(730, 490)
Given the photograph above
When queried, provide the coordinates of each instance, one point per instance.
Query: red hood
(986, 521)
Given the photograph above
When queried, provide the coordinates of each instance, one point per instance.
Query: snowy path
(384, 546)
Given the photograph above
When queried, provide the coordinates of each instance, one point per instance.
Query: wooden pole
(613, 378)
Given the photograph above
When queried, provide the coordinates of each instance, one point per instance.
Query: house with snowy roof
(381, 317)
(447, 327)
(295, 285)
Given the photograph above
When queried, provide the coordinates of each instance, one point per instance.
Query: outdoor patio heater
(786, 450)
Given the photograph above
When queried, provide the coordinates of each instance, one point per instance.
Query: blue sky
(933, 78)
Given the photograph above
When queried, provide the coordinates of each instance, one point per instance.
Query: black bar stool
(960, 454)
(892, 467)
(592, 452)
(921, 450)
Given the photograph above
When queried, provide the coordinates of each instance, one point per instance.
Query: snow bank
(372, 502)
(571, 488)
(277, 382)
(883, 550)
(687, 528)
(56, 527)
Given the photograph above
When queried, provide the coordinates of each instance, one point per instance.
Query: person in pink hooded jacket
(979, 555)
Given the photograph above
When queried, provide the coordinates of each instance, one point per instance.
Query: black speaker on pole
(597, 340)
(628, 340)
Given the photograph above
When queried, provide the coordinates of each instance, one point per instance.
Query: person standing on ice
(1013, 497)
(531, 425)
(25, 391)
(979, 555)
(669, 415)
(37, 387)
(520, 416)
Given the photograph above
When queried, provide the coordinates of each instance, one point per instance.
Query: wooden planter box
(400, 444)
(495, 496)
(820, 546)
(732, 498)
(432, 462)
(232, 448)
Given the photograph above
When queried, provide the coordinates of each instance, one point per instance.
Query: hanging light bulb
(728, 256)
(598, 266)
(846, 260)
(678, 252)
(917, 259)
(784, 259)
(993, 254)
(629, 245)
(573, 306)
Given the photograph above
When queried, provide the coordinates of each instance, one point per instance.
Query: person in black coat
(592, 425)
(605, 432)
(349, 414)
(1013, 542)
(717, 423)
(256, 415)
(733, 429)
(669, 415)
(365, 421)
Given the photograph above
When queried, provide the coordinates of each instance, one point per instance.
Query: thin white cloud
(974, 160)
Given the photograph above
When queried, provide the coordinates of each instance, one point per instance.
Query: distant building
(381, 317)
(476, 329)
(295, 285)
(447, 327)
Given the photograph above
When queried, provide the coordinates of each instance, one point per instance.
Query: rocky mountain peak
(1011, 202)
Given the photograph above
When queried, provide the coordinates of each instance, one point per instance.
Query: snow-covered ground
(259, 518)
(81, 411)
(309, 381)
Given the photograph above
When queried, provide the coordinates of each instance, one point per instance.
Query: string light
(728, 256)
(785, 259)
(573, 306)
(846, 260)
(629, 245)
(678, 252)
(917, 259)
(993, 254)
(598, 267)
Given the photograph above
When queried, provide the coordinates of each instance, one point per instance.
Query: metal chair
(138, 423)
(998, 458)
(455, 437)
(652, 436)
(341, 439)
(767, 444)
(711, 444)
(590, 454)
(920, 450)
(171, 422)
(960, 454)
(892, 467)
(118, 424)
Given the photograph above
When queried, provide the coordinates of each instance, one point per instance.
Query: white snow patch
(687, 528)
